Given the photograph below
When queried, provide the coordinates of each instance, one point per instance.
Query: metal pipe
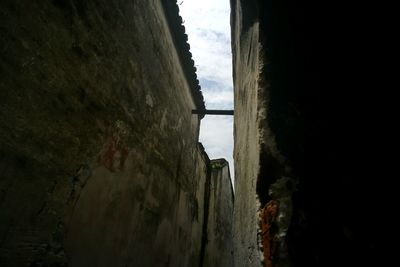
(212, 112)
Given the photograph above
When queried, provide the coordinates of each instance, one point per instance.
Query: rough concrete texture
(302, 136)
(246, 69)
(99, 159)
(219, 244)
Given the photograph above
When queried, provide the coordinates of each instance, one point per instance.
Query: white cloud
(219, 99)
(216, 136)
(207, 24)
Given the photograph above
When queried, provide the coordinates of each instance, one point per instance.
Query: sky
(207, 24)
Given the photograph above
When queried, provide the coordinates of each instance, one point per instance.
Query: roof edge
(180, 39)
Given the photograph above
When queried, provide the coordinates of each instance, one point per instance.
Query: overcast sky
(208, 27)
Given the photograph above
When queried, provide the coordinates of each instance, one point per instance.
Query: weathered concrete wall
(246, 69)
(219, 244)
(301, 135)
(99, 159)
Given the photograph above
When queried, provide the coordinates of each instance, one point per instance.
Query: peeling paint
(268, 219)
(114, 155)
(149, 101)
(275, 219)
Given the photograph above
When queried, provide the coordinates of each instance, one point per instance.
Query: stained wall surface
(246, 69)
(219, 244)
(304, 155)
(99, 159)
